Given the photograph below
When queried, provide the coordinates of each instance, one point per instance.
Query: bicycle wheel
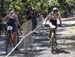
(8, 40)
(53, 44)
(51, 39)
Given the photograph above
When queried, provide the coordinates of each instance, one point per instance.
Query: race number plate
(9, 28)
(4, 22)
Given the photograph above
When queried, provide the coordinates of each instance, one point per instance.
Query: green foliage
(10, 4)
(53, 3)
(44, 5)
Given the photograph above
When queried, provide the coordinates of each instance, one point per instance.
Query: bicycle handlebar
(48, 23)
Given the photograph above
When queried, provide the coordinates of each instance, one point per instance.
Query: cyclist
(52, 18)
(12, 20)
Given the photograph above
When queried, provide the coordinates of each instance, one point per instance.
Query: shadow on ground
(58, 51)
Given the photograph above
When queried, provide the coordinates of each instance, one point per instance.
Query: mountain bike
(9, 37)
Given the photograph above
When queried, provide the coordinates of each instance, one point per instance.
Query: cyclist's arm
(17, 20)
(7, 16)
(59, 17)
(48, 17)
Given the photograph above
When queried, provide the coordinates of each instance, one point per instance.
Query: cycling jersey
(12, 22)
(52, 17)
(12, 19)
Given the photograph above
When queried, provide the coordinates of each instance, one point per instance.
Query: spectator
(34, 20)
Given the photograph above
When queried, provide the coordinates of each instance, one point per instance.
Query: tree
(44, 5)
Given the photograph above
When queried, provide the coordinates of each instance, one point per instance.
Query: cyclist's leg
(50, 32)
(34, 25)
(11, 38)
(55, 36)
(14, 35)
(14, 38)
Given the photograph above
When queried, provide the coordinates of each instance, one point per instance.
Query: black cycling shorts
(12, 22)
(54, 22)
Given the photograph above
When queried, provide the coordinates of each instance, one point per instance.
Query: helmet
(55, 8)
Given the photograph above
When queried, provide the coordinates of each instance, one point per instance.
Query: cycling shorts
(54, 22)
(12, 22)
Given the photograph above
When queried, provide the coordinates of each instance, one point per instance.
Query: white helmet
(55, 8)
